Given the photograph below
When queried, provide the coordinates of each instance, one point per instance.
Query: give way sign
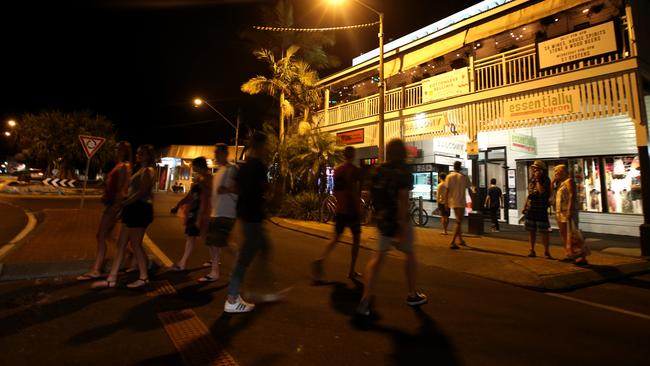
(91, 144)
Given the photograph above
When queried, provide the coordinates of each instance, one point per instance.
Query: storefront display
(586, 174)
(623, 183)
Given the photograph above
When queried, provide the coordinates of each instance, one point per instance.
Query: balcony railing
(507, 68)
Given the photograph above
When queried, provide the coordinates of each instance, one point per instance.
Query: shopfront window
(623, 182)
(422, 185)
(586, 174)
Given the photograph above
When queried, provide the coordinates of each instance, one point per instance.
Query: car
(30, 174)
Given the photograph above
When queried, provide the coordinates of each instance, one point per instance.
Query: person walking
(441, 197)
(223, 212)
(566, 215)
(493, 202)
(347, 190)
(457, 184)
(390, 194)
(198, 201)
(536, 208)
(115, 191)
(137, 214)
(251, 185)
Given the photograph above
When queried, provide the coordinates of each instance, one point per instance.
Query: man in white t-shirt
(224, 209)
(457, 184)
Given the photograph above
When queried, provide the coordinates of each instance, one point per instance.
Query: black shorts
(219, 230)
(444, 210)
(137, 214)
(344, 220)
(191, 229)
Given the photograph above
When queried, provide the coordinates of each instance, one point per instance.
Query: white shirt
(457, 184)
(225, 204)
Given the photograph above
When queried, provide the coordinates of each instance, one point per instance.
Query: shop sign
(445, 160)
(350, 137)
(425, 123)
(445, 85)
(555, 103)
(448, 146)
(523, 143)
(585, 43)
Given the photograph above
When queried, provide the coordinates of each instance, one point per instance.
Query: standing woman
(536, 209)
(117, 185)
(566, 214)
(137, 214)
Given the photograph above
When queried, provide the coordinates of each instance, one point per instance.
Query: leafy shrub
(303, 206)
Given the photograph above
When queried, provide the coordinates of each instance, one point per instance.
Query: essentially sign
(472, 147)
(523, 143)
(91, 144)
(585, 43)
(445, 85)
(425, 123)
(350, 137)
(555, 103)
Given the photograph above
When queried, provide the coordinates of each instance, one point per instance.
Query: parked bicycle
(328, 209)
(419, 216)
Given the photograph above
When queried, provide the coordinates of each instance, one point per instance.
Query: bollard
(420, 209)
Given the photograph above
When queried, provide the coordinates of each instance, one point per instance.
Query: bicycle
(419, 216)
(328, 210)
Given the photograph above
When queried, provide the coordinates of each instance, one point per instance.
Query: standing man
(224, 209)
(347, 190)
(493, 202)
(457, 185)
(441, 197)
(390, 193)
(251, 183)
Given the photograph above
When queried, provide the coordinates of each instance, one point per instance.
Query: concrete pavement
(496, 258)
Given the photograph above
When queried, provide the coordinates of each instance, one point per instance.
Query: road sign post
(90, 145)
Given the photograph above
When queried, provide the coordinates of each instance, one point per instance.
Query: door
(492, 165)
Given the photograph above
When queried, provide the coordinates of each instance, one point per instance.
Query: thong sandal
(138, 283)
(176, 268)
(88, 276)
(104, 284)
(208, 278)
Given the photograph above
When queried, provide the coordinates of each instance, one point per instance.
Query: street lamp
(381, 84)
(7, 133)
(198, 102)
(11, 123)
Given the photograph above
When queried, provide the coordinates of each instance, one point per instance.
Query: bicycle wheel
(327, 209)
(417, 219)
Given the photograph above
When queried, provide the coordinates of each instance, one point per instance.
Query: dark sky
(140, 62)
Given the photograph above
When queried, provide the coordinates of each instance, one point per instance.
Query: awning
(439, 48)
(194, 151)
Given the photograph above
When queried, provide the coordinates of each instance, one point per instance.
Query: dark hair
(200, 162)
(124, 151)
(396, 150)
(150, 153)
(257, 140)
(443, 176)
(348, 152)
(458, 165)
(221, 147)
(493, 181)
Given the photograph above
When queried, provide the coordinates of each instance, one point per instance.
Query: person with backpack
(390, 194)
(347, 190)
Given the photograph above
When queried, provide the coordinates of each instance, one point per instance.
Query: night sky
(141, 62)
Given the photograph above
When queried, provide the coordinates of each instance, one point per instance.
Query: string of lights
(283, 29)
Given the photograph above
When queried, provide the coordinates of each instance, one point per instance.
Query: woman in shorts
(536, 209)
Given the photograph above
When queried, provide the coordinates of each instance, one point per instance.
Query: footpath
(501, 257)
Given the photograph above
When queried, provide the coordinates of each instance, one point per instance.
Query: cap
(539, 164)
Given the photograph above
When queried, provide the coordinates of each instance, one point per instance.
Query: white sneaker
(240, 306)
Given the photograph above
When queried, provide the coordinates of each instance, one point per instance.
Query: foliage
(302, 206)
(311, 44)
(51, 139)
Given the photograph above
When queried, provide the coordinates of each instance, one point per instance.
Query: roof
(194, 151)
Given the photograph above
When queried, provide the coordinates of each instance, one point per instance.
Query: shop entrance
(492, 164)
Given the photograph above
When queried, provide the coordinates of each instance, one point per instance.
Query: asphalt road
(468, 320)
(12, 221)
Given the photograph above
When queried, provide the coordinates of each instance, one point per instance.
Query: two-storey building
(507, 82)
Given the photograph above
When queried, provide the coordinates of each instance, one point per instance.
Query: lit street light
(198, 102)
(11, 123)
(381, 83)
(7, 133)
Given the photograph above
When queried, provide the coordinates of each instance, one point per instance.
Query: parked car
(30, 174)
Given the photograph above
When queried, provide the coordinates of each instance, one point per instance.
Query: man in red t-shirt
(347, 190)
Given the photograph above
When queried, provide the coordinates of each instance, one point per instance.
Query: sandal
(104, 284)
(208, 278)
(138, 283)
(176, 268)
(89, 276)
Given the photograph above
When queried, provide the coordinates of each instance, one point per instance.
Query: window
(623, 182)
(586, 175)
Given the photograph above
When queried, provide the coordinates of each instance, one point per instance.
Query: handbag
(575, 240)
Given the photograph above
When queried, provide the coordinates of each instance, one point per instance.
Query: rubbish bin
(475, 223)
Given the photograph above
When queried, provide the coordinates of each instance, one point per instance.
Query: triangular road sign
(91, 144)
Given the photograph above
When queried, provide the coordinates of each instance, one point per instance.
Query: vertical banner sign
(90, 144)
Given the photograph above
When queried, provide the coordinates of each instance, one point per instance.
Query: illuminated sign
(350, 137)
(585, 43)
(425, 123)
(554, 103)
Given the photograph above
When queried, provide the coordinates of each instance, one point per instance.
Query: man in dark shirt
(347, 191)
(251, 185)
(493, 203)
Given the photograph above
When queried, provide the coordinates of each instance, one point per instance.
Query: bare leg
(106, 226)
(545, 241)
(354, 254)
(117, 261)
(445, 224)
(372, 272)
(459, 212)
(532, 238)
(135, 237)
(189, 246)
(215, 257)
(330, 246)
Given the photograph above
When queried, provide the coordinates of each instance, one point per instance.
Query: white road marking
(601, 306)
(31, 224)
(156, 251)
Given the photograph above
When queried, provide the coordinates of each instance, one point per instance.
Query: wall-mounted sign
(448, 146)
(425, 123)
(472, 147)
(350, 137)
(523, 143)
(445, 85)
(585, 43)
(554, 103)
